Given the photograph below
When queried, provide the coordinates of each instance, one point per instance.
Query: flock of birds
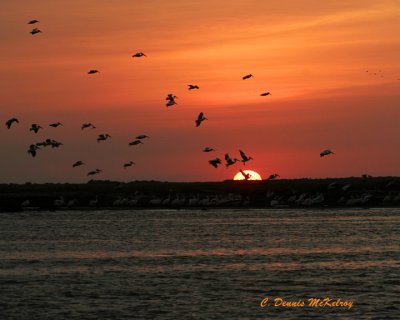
(170, 101)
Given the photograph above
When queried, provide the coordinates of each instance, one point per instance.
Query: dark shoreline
(298, 193)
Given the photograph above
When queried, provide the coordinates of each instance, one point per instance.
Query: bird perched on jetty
(273, 176)
(193, 86)
(215, 162)
(93, 71)
(325, 153)
(200, 119)
(103, 137)
(35, 128)
(10, 122)
(247, 76)
(35, 31)
(33, 21)
(229, 160)
(244, 157)
(135, 142)
(128, 164)
(142, 136)
(97, 171)
(208, 149)
(265, 94)
(33, 149)
(88, 125)
(139, 55)
(55, 124)
(245, 175)
(78, 163)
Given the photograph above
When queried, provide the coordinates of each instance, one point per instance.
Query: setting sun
(247, 175)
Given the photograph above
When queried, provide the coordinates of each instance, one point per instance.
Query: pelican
(244, 157)
(247, 76)
(265, 94)
(93, 71)
(193, 86)
(10, 122)
(103, 137)
(325, 153)
(32, 150)
(142, 136)
(139, 55)
(35, 31)
(229, 160)
(208, 149)
(33, 21)
(128, 164)
(55, 124)
(78, 163)
(54, 143)
(35, 128)
(273, 176)
(91, 173)
(246, 176)
(200, 119)
(88, 125)
(215, 162)
(135, 142)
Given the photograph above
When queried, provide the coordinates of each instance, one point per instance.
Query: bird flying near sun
(247, 175)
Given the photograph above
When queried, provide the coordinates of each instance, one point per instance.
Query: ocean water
(193, 264)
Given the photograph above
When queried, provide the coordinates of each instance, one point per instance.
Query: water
(191, 264)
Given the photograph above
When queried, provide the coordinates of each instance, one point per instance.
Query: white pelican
(265, 94)
(91, 173)
(35, 31)
(88, 125)
(135, 142)
(193, 86)
(244, 157)
(229, 160)
(128, 164)
(215, 162)
(93, 71)
(55, 124)
(247, 76)
(10, 122)
(35, 128)
(200, 119)
(208, 149)
(78, 163)
(139, 55)
(142, 136)
(103, 137)
(33, 21)
(325, 153)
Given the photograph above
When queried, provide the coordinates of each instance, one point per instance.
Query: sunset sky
(312, 56)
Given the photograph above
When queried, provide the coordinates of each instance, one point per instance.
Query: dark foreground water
(200, 264)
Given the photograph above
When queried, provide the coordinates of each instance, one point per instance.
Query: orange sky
(311, 55)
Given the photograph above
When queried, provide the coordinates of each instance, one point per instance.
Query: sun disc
(247, 175)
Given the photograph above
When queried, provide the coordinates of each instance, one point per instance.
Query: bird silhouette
(193, 86)
(128, 164)
(33, 150)
(208, 149)
(103, 137)
(265, 94)
(35, 31)
(97, 171)
(93, 71)
(78, 163)
(247, 76)
(215, 162)
(229, 160)
(35, 128)
(200, 119)
(245, 158)
(55, 124)
(273, 176)
(171, 100)
(139, 55)
(170, 103)
(245, 175)
(33, 21)
(135, 142)
(10, 122)
(325, 153)
(142, 136)
(87, 125)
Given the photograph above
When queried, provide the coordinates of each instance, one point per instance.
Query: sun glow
(247, 175)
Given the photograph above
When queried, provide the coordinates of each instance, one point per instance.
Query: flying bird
(200, 119)
(208, 149)
(245, 158)
(103, 137)
(142, 136)
(265, 94)
(35, 31)
(193, 86)
(139, 55)
(325, 153)
(215, 162)
(171, 100)
(33, 149)
(273, 176)
(135, 142)
(170, 103)
(247, 76)
(246, 176)
(93, 71)
(35, 128)
(88, 125)
(10, 122)
(91, 173)
(55, 124)
(33, 21)
(78, 163)
(229, 160)
(128, 164)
